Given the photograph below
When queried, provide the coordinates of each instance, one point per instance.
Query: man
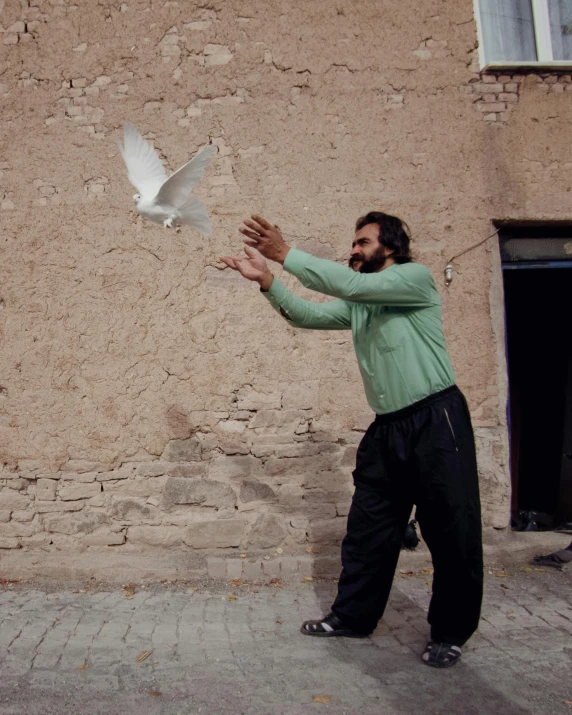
(420, 448)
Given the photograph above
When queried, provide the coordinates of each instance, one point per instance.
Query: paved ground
(237, 649)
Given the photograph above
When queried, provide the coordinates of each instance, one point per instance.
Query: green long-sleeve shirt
(395, 318)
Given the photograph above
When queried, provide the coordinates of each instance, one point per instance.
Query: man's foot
(441, 655)
(557, 560)
(329, 627)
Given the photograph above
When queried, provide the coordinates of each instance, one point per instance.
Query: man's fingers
(253, 244)
(229, 260)
(250, 234)
(255, 226)
(250, 252)
(262, 221)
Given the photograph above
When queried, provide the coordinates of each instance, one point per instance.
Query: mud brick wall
(149, 398)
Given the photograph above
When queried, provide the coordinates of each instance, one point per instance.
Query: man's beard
(370, 265)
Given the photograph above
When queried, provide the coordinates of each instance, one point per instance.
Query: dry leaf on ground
(232, 597)
(321, 698)
(84, 666)
(279, 551)
(128, 591)
(143, 656)
(308, 578)
(155, 693)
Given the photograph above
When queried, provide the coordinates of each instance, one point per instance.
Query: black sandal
(441, 655)
(329, 627)
(557, 560)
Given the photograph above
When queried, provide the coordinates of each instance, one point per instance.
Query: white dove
(161, 199)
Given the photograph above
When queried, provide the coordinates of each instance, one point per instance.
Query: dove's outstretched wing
(145, 170)
(175, 191)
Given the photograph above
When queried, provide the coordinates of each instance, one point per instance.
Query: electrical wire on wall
(449, 266)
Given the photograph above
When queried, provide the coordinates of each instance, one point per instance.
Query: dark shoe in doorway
(329, 627)
(441, 655)
(532, 521)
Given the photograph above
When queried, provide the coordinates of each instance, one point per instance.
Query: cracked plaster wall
(149, 398)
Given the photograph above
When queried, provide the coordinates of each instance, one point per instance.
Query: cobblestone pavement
(237, 649)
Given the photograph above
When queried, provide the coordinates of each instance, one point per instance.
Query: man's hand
(265, 238)
(253, 267)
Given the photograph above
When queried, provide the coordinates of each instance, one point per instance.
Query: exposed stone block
(10, 499)
(252, 490)
(289, 565)
(82, 465)
(267, 531)
(492, 107)
(83, 478)
(207, 492)
(183, 450)
(71, 492)
(234, 467)
(216, 567)
(104, 539)
(330, 531)
(74, 524)
(163, 536)
(252, 570)
(7, 543)
(221, 533)
(135, 511)
(14, 529)
(58, 506)
(25, 515)
(233, 568)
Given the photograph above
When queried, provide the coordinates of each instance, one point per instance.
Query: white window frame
(541, 20)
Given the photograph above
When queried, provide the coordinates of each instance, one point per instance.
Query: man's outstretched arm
(412, 288)
(334, 315)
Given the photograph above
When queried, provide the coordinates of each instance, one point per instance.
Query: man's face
(368, 255)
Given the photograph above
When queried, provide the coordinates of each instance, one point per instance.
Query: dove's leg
(170, 223)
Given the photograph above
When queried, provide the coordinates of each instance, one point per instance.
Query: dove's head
(136, 198)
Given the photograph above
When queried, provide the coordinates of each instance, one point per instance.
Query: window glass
(560, 12)
(508, 30)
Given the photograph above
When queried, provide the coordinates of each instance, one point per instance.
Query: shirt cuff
(277, 290)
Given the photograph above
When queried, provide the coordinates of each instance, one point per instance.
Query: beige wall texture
(149, 398)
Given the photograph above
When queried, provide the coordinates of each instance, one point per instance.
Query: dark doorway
(537, 274)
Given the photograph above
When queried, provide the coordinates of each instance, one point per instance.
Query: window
(515, 33)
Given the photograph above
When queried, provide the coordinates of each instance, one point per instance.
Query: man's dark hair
(393, 234)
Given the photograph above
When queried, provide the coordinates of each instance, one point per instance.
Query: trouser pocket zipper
(452, 430)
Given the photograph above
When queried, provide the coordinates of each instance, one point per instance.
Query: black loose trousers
(423, 455)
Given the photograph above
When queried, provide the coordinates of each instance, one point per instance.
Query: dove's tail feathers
(193, 213)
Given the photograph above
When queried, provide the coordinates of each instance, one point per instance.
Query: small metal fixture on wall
(449, 266)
